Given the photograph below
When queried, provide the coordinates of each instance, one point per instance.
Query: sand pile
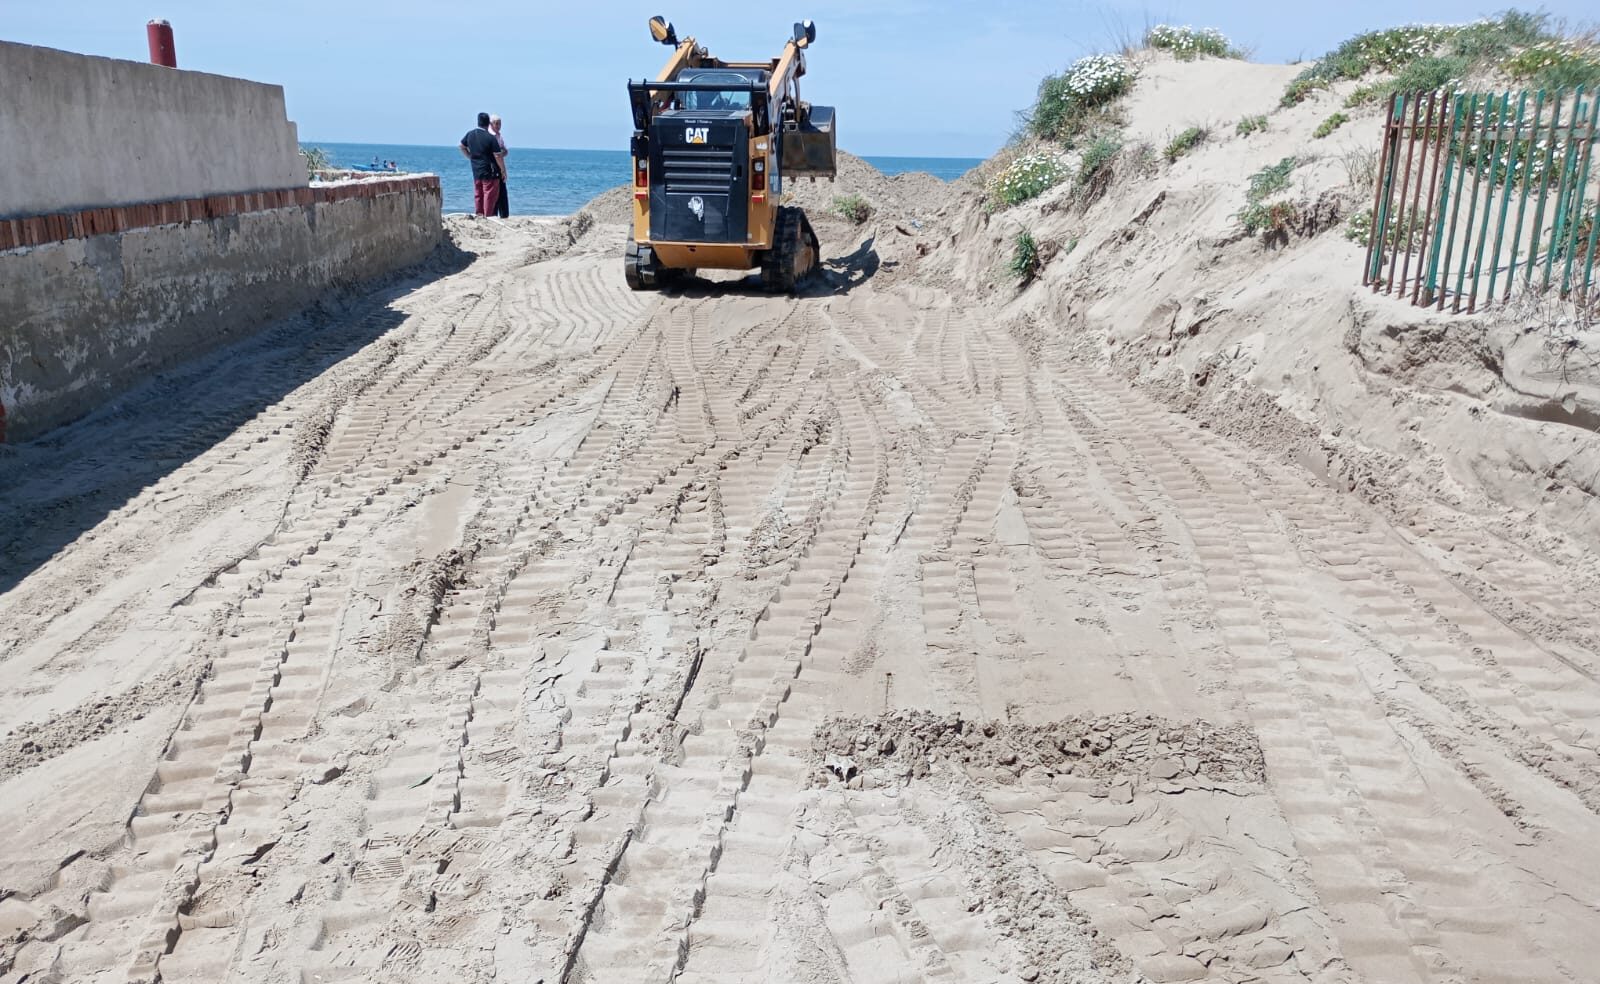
(908, 745)
(897, 196)
(1272, 339)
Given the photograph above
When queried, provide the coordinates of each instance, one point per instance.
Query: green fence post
(1472, 206)
(1594, 233)
(1563, 190)
(1508, 179)
(1544, 186)
(1415, 101)
(1380, 224)
(1444, 204)
(1575, 219)
(1522, 203)
(1432, 139)
(1489, 159)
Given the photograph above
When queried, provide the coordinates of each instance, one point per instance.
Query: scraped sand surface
(503, 624)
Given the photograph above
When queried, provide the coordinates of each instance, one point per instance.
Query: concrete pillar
(162, 52)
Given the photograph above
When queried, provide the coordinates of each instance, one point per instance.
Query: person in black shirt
(488, 165)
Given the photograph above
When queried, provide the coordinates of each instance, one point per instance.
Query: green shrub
(316, 159)
(1184, 142)
(1329, 125)
(1367, 94)
(1270, 180)
(1275, 218)
(1387, 50)
(1189, 43)
(1359, 228)
(1453, 49)
(1029, 176)
(1097, 158)
(1024, 257)
(1556, 64)
(1430, 73)
(852, 207)
(1250, 124)
(1404, 231)
(1065, 102)
(1578, 234)
(1300, 89)
(1494, 40)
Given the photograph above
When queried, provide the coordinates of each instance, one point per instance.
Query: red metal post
(162, 52)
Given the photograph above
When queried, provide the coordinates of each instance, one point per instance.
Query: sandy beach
(1187, 613)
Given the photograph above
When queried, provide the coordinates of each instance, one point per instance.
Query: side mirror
(661, 30)
(805, 32)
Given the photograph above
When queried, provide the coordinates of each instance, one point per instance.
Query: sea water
(557, 182)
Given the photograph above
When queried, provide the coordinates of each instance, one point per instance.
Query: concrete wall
(84, 318)
(81, 132)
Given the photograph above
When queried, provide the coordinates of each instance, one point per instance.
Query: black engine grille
(700, 169)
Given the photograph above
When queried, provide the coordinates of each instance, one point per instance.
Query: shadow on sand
(838, 275)
(65, 482)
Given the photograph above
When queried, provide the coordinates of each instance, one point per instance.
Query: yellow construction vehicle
(713, 144)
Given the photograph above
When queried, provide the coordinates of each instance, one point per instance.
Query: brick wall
(62, 226)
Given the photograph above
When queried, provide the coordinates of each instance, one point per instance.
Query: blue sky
(935, 79)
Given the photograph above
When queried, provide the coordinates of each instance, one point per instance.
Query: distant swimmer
(488, 166)
(503, 209)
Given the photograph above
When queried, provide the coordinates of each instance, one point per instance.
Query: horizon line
(613, 150)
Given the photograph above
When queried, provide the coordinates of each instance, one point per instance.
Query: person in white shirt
(503, 205)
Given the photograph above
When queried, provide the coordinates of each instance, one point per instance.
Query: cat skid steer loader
(714, 142)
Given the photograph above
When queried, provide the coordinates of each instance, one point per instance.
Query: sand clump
(910, 744)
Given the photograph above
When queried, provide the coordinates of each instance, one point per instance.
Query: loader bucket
(810, 149)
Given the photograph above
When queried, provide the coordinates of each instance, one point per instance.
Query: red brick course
(40, 229)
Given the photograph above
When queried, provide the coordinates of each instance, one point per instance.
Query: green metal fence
(1478, 193)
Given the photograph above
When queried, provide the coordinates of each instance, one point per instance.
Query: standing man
(483, 149)
(504, 208)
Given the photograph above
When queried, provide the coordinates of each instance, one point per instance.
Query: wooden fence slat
(1527, 183)
(1493, 158)
(1402, 228)
(1374, 261)
(1428, 140)
(1475, 145)
(1464, 125)
(1508, 182)
(1544, 188)
(1563, 189)
(1575, 218)
(1447, 143)
(1594, 225)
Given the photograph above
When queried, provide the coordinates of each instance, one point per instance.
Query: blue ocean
(557, 182)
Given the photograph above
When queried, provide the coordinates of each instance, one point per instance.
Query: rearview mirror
(805, 32)
(661, 30)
